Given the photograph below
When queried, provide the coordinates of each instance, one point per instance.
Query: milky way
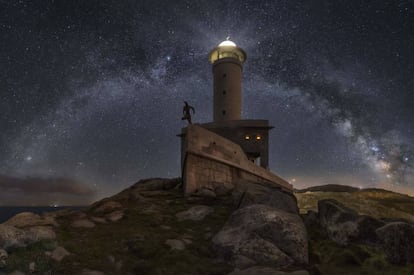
(92, 91)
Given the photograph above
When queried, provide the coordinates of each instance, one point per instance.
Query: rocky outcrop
(266, 230)
(343, 225)
(195, 213)
(26, 219)
(263, 235)
(12, 237)
(397, 242)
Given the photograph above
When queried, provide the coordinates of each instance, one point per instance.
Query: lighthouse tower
(227, 60)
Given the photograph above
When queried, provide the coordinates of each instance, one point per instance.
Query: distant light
(258, 137)
(29, 158)
(247, 137)
(293, 180)
(227, 43)
(388, 176)
(406, 159)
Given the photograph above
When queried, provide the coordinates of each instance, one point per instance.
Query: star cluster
(91, 91)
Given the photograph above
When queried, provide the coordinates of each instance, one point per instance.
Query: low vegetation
(136, 243)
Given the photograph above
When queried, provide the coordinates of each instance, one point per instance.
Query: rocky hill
(152, 228)
(358, 231)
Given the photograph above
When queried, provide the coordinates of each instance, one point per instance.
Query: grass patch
(136, 243)
(20, 258)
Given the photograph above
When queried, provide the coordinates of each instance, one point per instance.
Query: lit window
(258, 137)
(247, 137)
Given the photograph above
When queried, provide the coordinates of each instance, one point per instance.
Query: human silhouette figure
(186, 112)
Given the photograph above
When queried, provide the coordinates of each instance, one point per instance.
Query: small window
(224, 92)
(224, 75)
(224, 112)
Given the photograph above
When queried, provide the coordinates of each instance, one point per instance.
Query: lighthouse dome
(227, 43)
(227, 50)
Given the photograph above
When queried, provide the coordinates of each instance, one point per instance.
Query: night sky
(91, 92)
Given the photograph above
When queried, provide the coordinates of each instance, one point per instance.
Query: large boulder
(263, 235)
(248, 193)
(397, 241)
(344, 225)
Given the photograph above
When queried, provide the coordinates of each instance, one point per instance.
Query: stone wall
(210, 161)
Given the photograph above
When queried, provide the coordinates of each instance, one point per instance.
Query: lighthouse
(252, 135)
(220, 154)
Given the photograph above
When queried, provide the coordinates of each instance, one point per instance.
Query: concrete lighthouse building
(220, 154)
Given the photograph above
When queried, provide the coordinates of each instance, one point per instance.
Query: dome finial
(228, 37)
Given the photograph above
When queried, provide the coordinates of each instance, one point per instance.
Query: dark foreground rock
(397, 242)
(248, 193)
(344, 225)
(263, 235)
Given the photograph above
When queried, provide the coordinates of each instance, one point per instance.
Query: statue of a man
(186, 112)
